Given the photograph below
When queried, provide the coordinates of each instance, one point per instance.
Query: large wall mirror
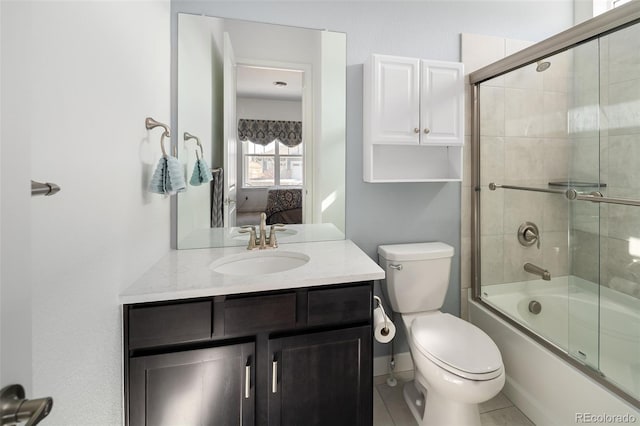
(261, 129)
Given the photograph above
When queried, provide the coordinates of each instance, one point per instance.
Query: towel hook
(188, 136)
(150, 123)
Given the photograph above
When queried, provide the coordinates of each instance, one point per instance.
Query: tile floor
(389, 408)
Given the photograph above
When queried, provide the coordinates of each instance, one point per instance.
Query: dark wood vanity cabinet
(208, 386)
(317, 379)
(293, 357)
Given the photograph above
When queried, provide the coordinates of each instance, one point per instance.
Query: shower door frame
(614, 20)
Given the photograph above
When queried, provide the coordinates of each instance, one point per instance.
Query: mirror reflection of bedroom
(263, 106)
(270, 160)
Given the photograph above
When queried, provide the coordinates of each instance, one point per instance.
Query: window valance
(264, 132)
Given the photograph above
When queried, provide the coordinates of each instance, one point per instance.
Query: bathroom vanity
(286, 348)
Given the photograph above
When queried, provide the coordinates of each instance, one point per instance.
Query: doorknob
(14, 408)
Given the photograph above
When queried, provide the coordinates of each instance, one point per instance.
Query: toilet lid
(457, 346)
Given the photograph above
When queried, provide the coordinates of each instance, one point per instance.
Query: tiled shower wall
(540, 127)
(620, 159)
(525, 142)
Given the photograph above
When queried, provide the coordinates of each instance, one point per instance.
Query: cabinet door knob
(426, 131)
(416, 130)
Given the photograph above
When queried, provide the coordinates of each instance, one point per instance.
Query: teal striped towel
(201, 173)
(168, 178)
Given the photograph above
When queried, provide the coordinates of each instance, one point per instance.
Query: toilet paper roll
(379, 332)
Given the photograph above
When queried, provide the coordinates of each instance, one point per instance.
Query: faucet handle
(251, 230)
(273, 243)
(247, 228)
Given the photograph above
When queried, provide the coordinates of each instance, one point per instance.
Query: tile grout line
(386, 407)
(497, 409)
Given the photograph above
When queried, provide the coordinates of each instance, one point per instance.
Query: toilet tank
(417, 275)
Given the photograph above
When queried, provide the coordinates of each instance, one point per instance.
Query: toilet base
(437, 411)
(414, 399)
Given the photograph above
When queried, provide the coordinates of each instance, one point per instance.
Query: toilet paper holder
(385, 331)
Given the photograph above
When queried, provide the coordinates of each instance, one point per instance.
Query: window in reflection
(260, 160)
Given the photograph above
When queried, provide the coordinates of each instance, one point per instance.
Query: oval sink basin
(259, 262)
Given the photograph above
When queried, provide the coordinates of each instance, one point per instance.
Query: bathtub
(545, 387)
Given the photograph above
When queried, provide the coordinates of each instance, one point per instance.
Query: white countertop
(183, 274)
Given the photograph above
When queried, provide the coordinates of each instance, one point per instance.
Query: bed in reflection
(284, 205)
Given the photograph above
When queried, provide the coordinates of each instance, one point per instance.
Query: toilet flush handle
(397, 267)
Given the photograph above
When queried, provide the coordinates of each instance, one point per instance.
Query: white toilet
(456, 364)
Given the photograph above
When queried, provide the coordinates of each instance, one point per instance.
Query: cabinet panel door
(396, 100)
(442, 103)
(197, 387)
(322, 379)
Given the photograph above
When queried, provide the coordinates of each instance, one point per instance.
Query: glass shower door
(559, 148)
(584, 133)
(619, 244)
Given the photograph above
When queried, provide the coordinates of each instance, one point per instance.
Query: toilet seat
(456, 346)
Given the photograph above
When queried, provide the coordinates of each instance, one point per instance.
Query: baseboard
(381, 363)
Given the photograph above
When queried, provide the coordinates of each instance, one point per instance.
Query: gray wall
(394, 213)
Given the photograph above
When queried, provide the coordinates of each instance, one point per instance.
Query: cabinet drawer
(169, 324)
(245, 315)
(337, 305)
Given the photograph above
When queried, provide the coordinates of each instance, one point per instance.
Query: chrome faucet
(262, 241)
(536, 270)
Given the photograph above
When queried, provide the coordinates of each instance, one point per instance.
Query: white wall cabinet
(413, 120)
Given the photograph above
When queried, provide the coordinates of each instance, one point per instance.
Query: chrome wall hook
(150, 123)
(187, 136)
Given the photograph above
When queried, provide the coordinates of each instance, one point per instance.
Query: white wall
(199, 77)
(268, 109)
(329, 185)
(91, 74)
(15, 133)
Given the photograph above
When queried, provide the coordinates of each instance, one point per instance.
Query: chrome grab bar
(39, 188)
(572, 194)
